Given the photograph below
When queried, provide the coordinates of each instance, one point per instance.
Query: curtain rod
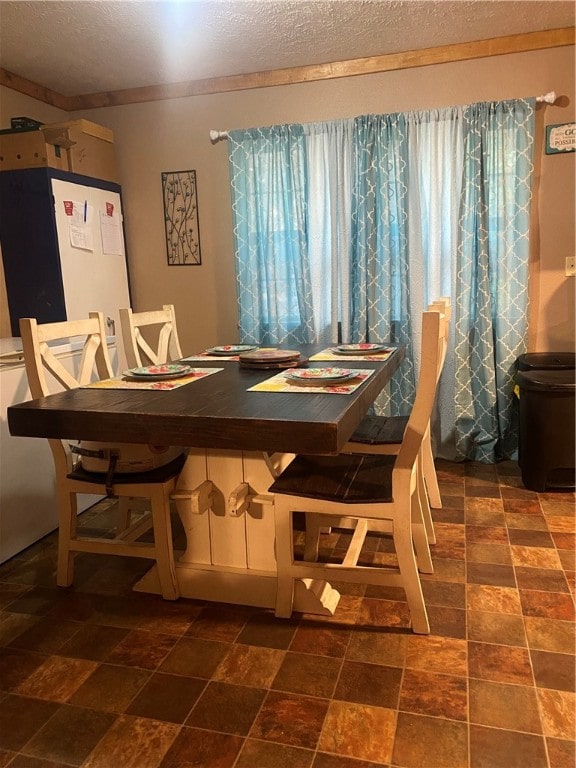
(547, 98)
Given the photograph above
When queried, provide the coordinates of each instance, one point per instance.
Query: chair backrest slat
(138, 349)
(39, 357)
(433, 330)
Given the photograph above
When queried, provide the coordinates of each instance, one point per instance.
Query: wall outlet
(570, 266)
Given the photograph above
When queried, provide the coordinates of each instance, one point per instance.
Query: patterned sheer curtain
(268, 172)
(347, 230)
(492, 274)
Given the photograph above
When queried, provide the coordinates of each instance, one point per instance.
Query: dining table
(241, 426)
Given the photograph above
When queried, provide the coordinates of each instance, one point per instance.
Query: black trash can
(547, 420)
(547, 361)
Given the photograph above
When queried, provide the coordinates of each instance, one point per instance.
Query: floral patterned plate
(359, 349)
(231, 349)
(157, 372)
(320, 376)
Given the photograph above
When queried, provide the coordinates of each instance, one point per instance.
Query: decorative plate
(158, 372)
(269, 356)
(359, 349)
(231, 349)
(321, 375)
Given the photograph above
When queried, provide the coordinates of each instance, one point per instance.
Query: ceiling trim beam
(351, 68)
(22, 85)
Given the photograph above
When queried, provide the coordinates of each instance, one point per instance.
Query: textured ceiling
(102, 45)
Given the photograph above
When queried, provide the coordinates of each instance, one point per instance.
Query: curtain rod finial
(548, 98)
(217, 136)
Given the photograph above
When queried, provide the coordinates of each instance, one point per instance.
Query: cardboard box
(29, 149)
(89, 146)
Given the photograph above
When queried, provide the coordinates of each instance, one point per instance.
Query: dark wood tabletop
(215, 412)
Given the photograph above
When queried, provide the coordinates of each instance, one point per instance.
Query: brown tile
(499, 705)
(561, 523)
(142, 649)
(550, 634)
(9, 592)
(561, 753)
(504, 628)
(305, 715)
(249, 665)
(497, 748)
(350, 730)
(554, 670)
(37, 601)
(450, 622)
(57, 679)
(564, 541)
(47, 635)
(16, 666)
(444, 593)
(417, 735)
(547, 604)
(482, 597)
(437, 654)
(307, 674)
(227, 708)
(529, 538)
(446, 569)
(535, 557)
(485, 534)
(376, 647)
(219, 622)
(429, 693)
(70, 735)
(264, 629)
(170, 618)
(501, 663)
(543, 579)
(371, 684)
(489, 553)
(110, 688)
(558, 709)
(451, 512)
(14, 624)
(167, 697)
(93, 642)
(524, 506)
(514, 492)
(21, 718)
(516, 520)
(383, 613)
(491, 573)
(321, 640)
(26, 761)
(557, 504)
(485, 491)
(483, 509)
(194, 657)
(133, 742)
(266, 753)
(325, 760)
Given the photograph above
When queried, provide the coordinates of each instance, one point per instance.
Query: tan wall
(173, 135)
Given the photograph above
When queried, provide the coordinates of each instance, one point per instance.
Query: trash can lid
(543, 361)
(547, 381)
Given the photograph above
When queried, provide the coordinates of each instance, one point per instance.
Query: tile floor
(101, 677)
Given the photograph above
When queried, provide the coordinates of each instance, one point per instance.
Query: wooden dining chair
(156, 485)
(160, 325)
(382, 435)
(378, 492)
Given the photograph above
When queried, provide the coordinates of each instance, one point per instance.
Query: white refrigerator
(64, 256)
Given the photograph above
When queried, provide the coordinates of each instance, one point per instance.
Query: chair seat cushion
(380, 430)
(348, 478)
(157, 475)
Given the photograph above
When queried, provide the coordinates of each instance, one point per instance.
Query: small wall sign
(560, 138)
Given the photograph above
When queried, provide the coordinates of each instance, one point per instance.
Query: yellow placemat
(280, 383)
(205, 356)
(329, 354)
(119, 383)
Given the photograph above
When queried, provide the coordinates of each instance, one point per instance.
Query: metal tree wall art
(181, 218)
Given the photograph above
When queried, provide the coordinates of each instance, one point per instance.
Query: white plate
(158, 372)
(360, 349)
(230, 349)
(320, 376)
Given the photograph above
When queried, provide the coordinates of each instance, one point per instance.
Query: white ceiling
(87, 46)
